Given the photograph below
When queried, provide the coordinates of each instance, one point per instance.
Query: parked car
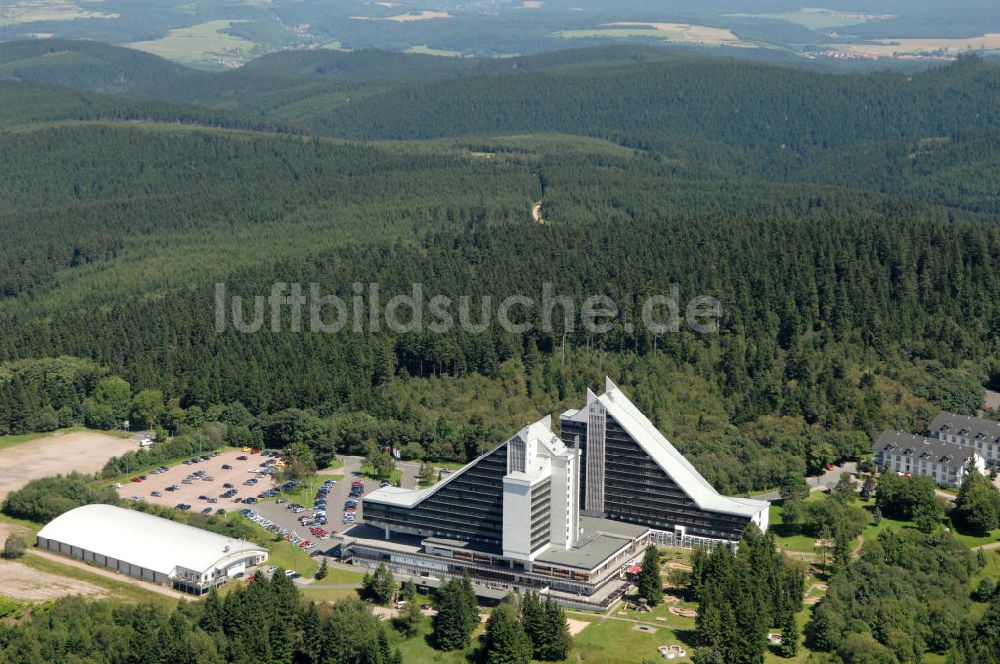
(156, 494)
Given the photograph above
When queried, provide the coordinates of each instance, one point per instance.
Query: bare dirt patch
(887, 48)
(576, 626)
(689, 34)
(684, 613)
(60, 453)
(992, 400)
(418, 16)
(21, 582)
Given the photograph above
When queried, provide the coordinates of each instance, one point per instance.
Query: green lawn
(119, 589)
(288, 556)
(786, 539)
(417, 648)
(30, 526)
(396, 477)
(972, 540)
(617, 642)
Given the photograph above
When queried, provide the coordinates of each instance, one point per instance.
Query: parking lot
(283, 517)
(208, 478)
(243, 467)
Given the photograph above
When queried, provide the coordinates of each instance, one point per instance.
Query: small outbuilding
(149, 547)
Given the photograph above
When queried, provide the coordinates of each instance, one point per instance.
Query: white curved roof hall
(144, 540)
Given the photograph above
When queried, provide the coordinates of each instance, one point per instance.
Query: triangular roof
(672, 462)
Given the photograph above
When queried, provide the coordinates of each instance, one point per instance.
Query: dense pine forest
(847, 224)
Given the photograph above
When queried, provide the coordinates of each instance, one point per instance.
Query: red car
(136, 479)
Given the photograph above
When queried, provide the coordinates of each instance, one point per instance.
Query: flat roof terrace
(600, 540)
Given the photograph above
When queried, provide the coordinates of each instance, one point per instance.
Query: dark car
(207, 510)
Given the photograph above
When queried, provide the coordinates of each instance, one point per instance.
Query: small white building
(149, 547)
(943, 462)
(976, 433)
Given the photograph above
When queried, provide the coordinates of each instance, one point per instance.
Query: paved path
(99, 571)
(827, 480)
(950, 497)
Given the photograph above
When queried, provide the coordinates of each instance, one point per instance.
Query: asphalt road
(827, 480)
(284, 517)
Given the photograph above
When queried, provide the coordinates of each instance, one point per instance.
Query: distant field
(676, 33)
(30, 11)
(408, 17)
(204, 43)
(887, 48)
(424, 49)
(815, 18)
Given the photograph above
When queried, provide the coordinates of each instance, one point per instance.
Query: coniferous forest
(847, 224)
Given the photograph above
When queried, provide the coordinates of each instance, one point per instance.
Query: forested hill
(735, 103)
(85, 65)
(24, 103)
(848, 224)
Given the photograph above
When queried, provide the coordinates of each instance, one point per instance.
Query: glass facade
(469, 507)
(637, 490)
(541, 510)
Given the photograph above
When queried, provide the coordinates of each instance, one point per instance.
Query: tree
(409, 619)
(793, 487)
(408, 591)
(323, 570)
(534, 619)
(977, 506)
(927, 516)
(299, 462)
(867, 487)
(505, 640)
(823, 543)
(379, 585)
(984, 591)
(789, 635)
(145, 409)
(844, 489)
(556, 644)
(841, 548)
(453, 624)
(426, 474)
(15, 546)
(649, 584)
(113, 393)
